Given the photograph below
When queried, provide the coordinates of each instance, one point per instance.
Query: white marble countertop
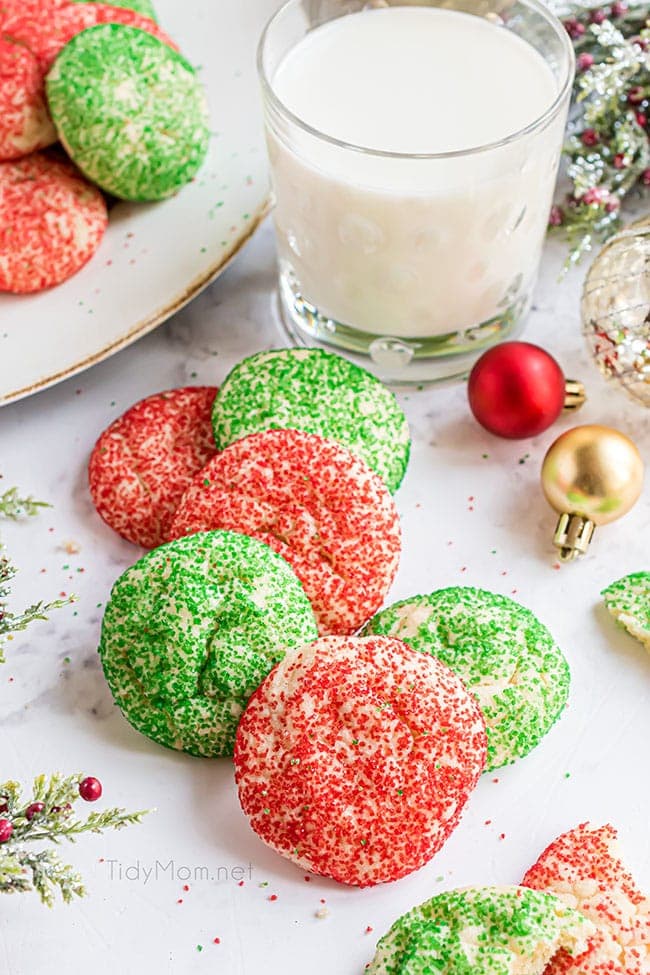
(472, 513)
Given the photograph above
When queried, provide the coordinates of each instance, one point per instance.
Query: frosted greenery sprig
(47, 815)
(15, 507)
(608, 146)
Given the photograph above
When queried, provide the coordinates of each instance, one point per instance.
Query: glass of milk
(414, 149)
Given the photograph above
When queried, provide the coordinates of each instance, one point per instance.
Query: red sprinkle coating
(48, 28)
(355, 757)
(25, 124)
(144, 461)
(584, 869)
(314, 503)
(29, 8)
(51, 222)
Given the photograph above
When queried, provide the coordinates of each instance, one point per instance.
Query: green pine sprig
(23, 869)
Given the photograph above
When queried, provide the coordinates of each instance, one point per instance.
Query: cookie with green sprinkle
(317, 392)
(499, 649)
(144, 7)
(486, 930)
(192, 629)
(628, 600)
(130, 111)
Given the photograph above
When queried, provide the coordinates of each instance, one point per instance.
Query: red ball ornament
(90, 789)
(6, 829)
(516, 390)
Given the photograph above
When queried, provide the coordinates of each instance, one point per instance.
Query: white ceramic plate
(156, 257)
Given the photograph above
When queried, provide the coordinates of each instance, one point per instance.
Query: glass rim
(540, 8)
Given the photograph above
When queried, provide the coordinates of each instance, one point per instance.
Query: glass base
(399, 361)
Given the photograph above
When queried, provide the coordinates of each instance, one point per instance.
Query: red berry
(645, 177)
(590, 137)
(4, 805)
(516, 390)
(620, 162)
(90, 789)
(65, 809)
(556, 218)
(642, 119)
(31, 811)
(613, 204)
(619, 8)
(640, 42)
(585, 61)
(636, 95)
(593, 195)
(574, 28)
(6, 829)
(597, 16)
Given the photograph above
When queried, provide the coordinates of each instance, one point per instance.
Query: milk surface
(402, 246)
(415, 80)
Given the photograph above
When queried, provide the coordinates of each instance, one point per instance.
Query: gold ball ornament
(616, 310)
(591, 476)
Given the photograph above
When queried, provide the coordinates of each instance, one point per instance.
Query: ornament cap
(575, 395)
(572, 536)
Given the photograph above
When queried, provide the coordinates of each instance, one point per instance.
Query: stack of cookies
(249, 628)
(108, 84)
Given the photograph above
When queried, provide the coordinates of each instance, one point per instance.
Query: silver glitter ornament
(616, 310)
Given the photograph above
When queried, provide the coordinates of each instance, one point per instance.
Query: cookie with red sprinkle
(584, 869)
(46, 30)
(145, 460)
(29, 8)
(25, 124)
(355, 757)
(142, 6)
(51, 222)
(316, 504)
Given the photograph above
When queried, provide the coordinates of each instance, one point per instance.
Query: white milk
(413, 247)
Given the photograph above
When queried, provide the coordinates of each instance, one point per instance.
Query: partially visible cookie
(583, 868)
(356, 756)
(145, 460)
(51, 222)
(191, 630)
(48, 29)
(481, 931)
(628, 600)
(129, 110)
(318, 392)
(25, 123)
(499, 649)
(144, 7)
(317, 505)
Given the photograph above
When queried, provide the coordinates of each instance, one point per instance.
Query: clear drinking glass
(414, 262)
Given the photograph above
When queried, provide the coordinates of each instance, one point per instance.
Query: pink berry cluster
(90, 789)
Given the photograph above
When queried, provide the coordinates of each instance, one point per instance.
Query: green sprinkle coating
(192, 629)
(628, 600)
(489, 930)
(144, 7)
(499, 649)
(129, 110)
(318, 392)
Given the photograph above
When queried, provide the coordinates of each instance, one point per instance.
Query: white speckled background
(468, 518)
